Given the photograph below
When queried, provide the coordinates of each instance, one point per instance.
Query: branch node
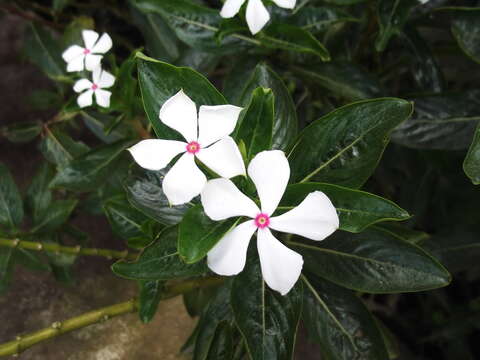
(57, 325)
(78, 248)
(16, 242)
(40, 246)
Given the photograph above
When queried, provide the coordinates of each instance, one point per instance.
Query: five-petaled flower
(314, 218)
(208, 139)
(88, 57)
(257, 14)
(101, 79)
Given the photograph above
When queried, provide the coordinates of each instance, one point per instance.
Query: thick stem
(21, 343)
(73, 250)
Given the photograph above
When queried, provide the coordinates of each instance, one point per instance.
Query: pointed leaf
(150, 295)
(125, 220)
(59, 148)
(11, 205)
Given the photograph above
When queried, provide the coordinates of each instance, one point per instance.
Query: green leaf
(373, 262)
(11, 205)
(159, 261)
(59, 5)
(101, 125)
(125, 220)
(356, 209)
(402, 232)
(39, 196)
(44, 51)
(443, 121)
(267, 320)
(285, 117)
(90, 170)
(344, 146)
(55, 216)
(293, 38)
(319, 19)
(59, 148)
(256, 124)
(222, 344)
(30, 260)
(144, 191)
(392, 16)
(196, 300)
(22, 132)
(6, 267)
(340, 323)
(150, 295)
(217, 312)
(466, 30)
(471, 164)
(197, 234)
(342, 79)
(159, 81)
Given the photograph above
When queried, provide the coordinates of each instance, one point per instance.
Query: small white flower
(257, 15)
(79, 58)
(101, 79)
(314, 218)
(207, 139)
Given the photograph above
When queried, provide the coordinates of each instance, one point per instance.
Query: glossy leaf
(466, 30)
(319, 18)
(293, 38)
(285, 123)
(144, 191)
(125, 220)
(55, 215)
(402, 232)
(267, 320)
(6, 267)
(107, 128)
(39, 196)
(373, 262)
(356, 209)
(150, 295)
(444, 121)
(196, 300)
(339, 322)
(159, 261)
(59, 148)
(198, 234)
(471, 164)
(344, 80)
(11, 205)
(159, 81)
(256, 124)
(22, 132)
(222, 344)
(344, 146)
(90, 170)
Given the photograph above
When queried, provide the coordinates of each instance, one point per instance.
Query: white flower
(100, 80)
(257, 14)
(207, 139)
(314, 218)
(88, 57)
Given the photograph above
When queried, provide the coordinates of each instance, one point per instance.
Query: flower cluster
(89, 57)
(208, 140)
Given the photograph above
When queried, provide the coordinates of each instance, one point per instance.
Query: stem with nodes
(73, 250)
(21, 343)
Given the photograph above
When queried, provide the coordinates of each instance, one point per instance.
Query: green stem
(21, 343)
(73, 250)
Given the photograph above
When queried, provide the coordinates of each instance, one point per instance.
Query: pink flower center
(262, 220)
(94, 87)
(86, 51)
(193, 147)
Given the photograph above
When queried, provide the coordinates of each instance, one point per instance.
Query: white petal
(155, 154)
(81, 85)
(106, 80)
(89, 38)
(224, 158)
(315, 218)
(85, 99)
(231, 8)
(287, 4)
(72, 52)
(216, 122)
(184, 181)
(270, 171)
(257, 16)
(77, 64)
(92, 61)
(103, 44)
(96, 73)
(221, 200)
(102, 97)
(180, 113)
(281, 267)
(230, 253)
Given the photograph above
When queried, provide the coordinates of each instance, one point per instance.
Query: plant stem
(21, 343)
(74, 250)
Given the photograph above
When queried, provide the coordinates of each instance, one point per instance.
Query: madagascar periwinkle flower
(207, 139)
(89, 56)
(314, 218)
(101, 80)
(257, 14)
